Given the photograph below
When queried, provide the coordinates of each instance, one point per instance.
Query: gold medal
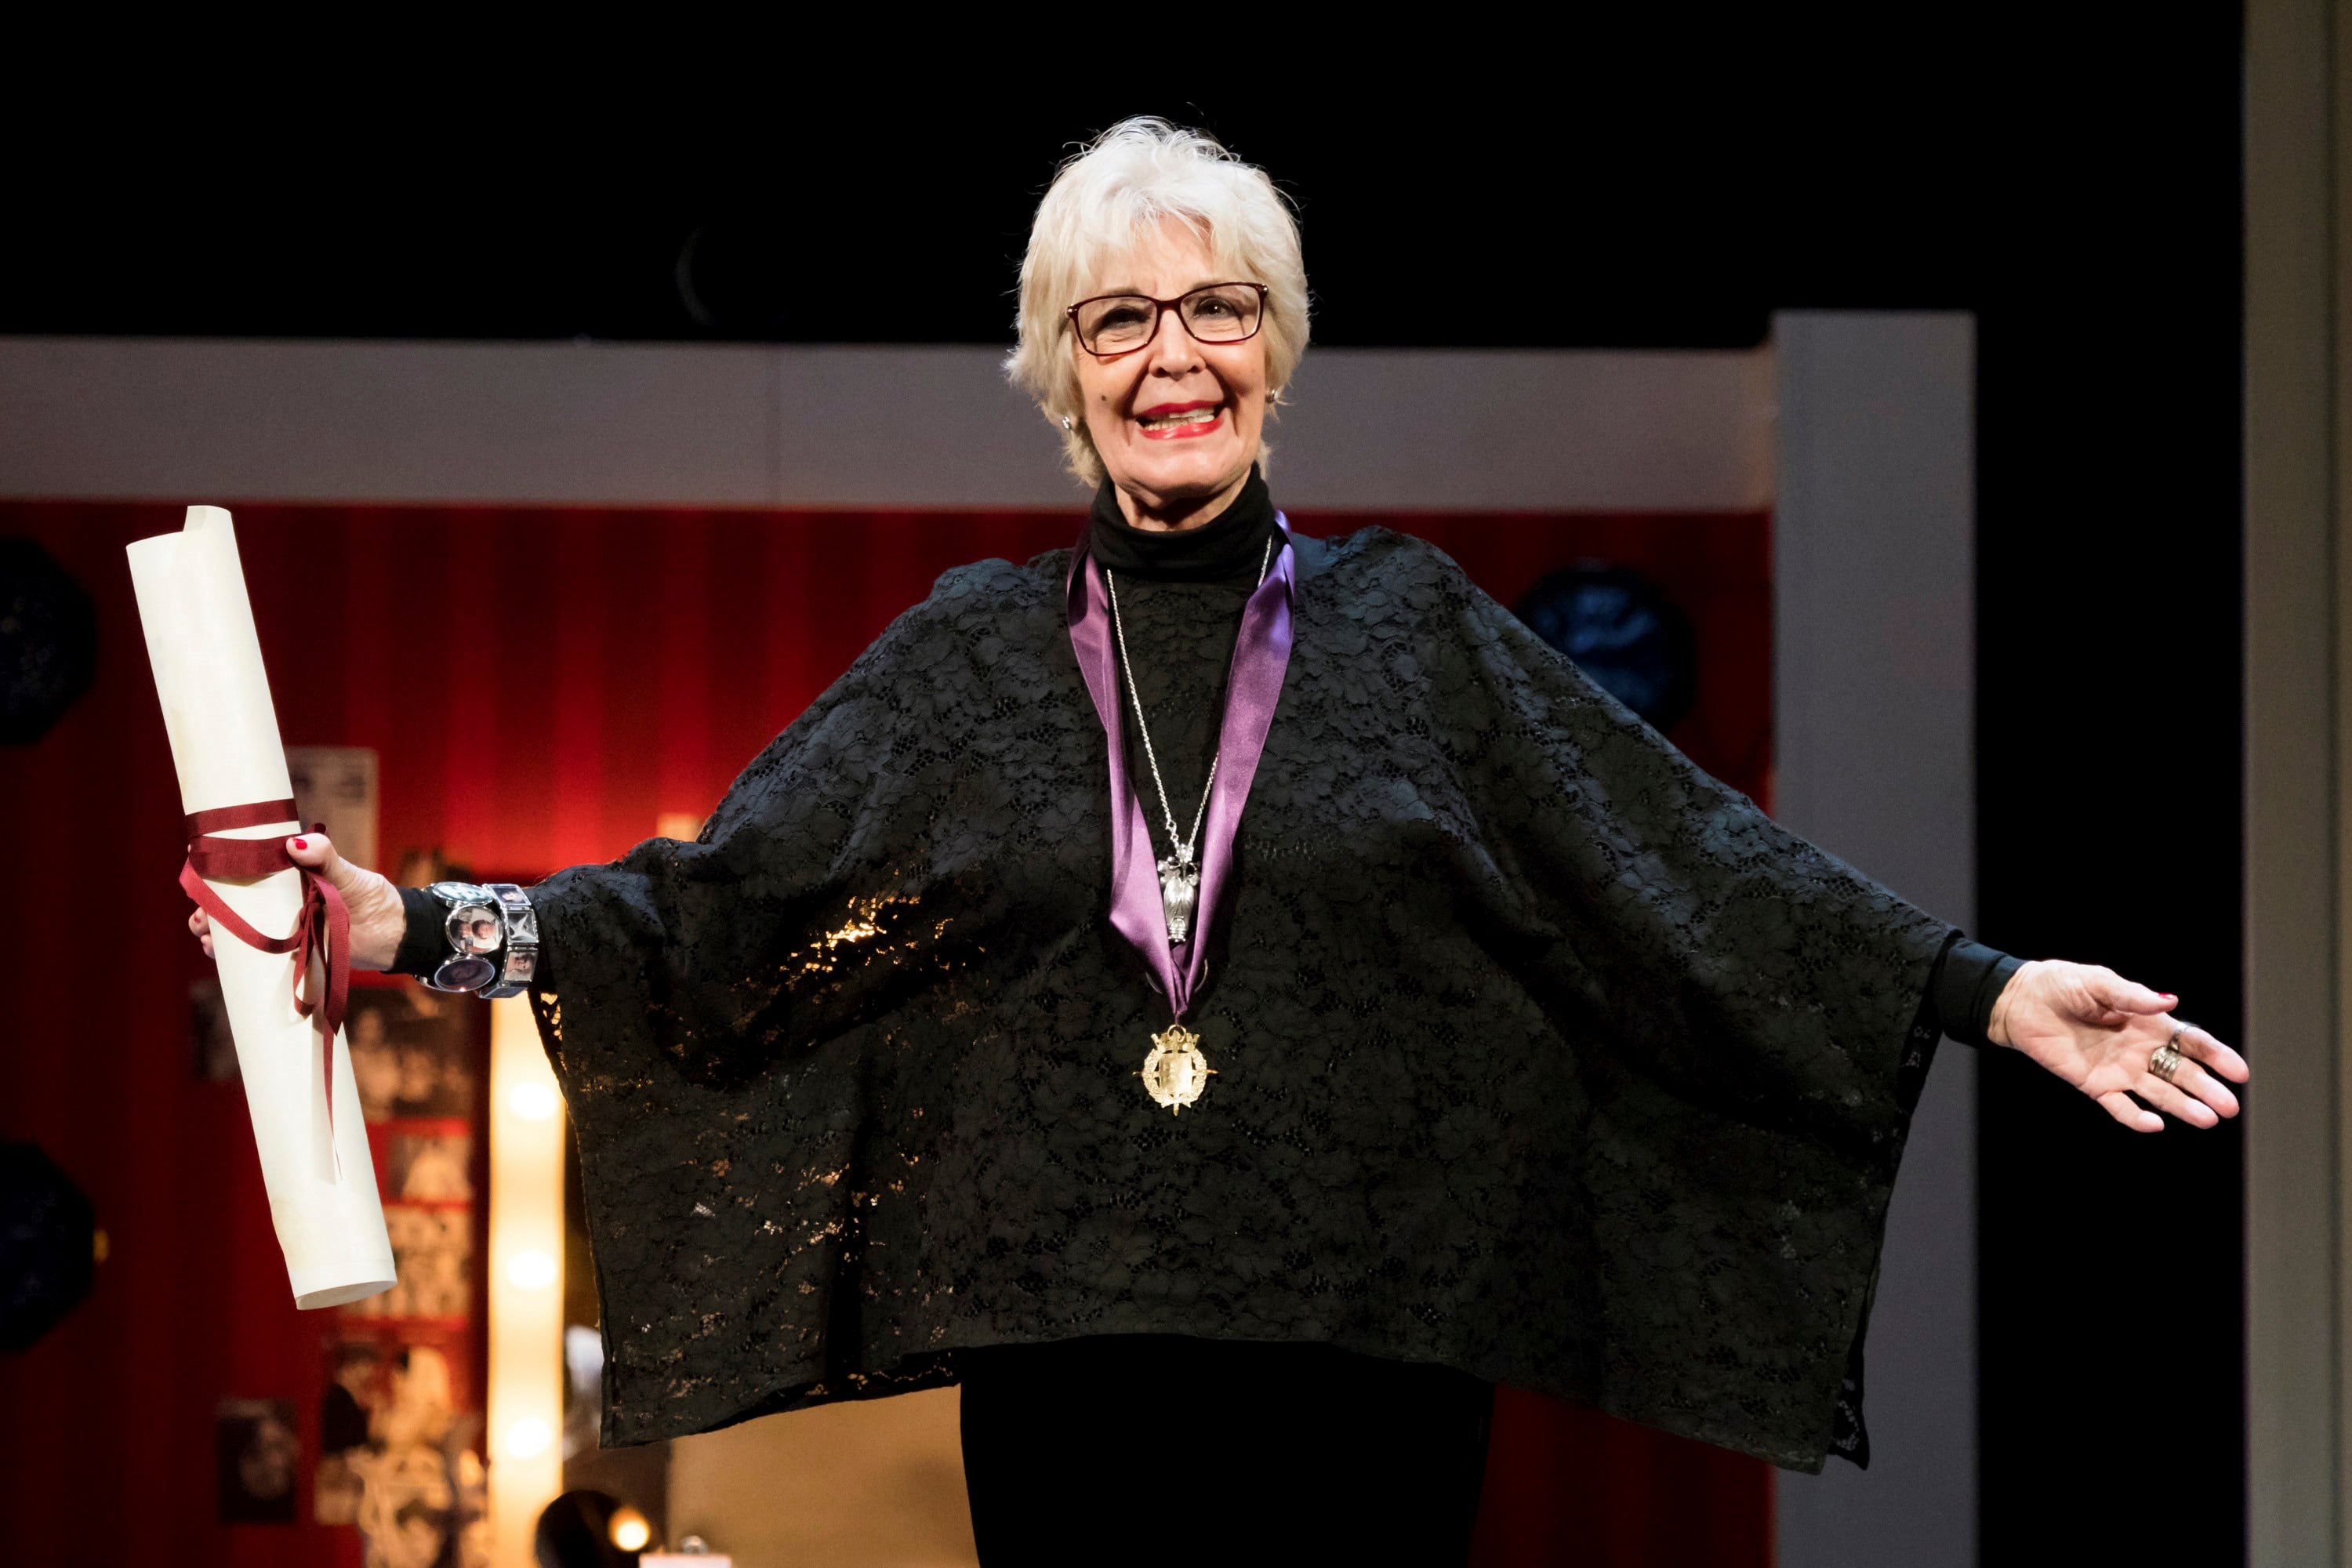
(1175, 1072)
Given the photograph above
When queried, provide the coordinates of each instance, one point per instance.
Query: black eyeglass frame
(1160, 306)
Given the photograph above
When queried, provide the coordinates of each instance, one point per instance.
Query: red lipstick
(1185, 429)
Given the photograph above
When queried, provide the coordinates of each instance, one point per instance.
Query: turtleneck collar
(1226, 548)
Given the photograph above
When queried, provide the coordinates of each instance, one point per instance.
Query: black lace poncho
(1542, 1053)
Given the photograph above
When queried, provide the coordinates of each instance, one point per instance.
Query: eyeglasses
(1213, 313)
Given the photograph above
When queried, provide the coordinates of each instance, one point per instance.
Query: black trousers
(1151, 1449)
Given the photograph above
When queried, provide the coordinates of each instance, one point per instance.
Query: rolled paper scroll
(295, 1060)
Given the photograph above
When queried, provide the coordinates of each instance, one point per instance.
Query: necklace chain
(1182, 846)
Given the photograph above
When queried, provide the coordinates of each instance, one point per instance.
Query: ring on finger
(2168, 1059)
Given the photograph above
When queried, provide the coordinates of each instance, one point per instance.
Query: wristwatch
(470, 920)
(521, 933)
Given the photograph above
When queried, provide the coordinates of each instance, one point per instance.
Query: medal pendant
(1179, 885)
(1175, 1072)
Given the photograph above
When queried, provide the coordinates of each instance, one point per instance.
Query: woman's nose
(1170, 343)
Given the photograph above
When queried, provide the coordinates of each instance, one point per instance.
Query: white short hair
(1135, 173)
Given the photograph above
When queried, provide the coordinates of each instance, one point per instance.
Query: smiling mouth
(1179, 424)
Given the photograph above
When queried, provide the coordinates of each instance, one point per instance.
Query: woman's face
(1162, 466)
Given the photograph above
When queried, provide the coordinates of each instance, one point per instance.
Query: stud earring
(1066, 422)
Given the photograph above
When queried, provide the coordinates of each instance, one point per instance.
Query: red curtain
(540, 685)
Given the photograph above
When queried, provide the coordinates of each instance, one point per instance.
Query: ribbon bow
(323, 921)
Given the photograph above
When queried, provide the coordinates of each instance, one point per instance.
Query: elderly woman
(1228, 998)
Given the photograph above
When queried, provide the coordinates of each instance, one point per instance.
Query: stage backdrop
(542, 688)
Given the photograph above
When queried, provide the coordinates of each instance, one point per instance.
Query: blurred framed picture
(256, 1454)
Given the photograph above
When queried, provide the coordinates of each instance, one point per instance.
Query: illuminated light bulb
(527, 1438)
(531, 1271)
(533, 1101)
(630, 1531)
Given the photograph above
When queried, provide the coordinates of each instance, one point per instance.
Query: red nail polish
(301, 844)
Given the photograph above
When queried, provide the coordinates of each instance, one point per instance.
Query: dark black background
(2078, 187)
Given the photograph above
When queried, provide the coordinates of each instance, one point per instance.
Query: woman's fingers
(376, 915)
(2191, 1078)
(2173, 1102)
(318, 851)
(2113, 991)
(2201, 1047)
(2192, 1095)
(377, 918)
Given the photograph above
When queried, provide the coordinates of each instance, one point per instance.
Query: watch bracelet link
(492, 934)
(518, 955)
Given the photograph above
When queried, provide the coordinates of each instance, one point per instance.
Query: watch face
(464, 974)
(474, 928)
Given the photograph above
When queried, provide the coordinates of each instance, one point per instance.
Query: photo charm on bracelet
(493, 939)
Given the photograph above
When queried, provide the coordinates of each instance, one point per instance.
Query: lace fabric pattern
(1542, 1054)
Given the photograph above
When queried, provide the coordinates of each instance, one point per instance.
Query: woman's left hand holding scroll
(378, 921)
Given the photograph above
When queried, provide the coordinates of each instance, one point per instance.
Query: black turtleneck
(1226, 549)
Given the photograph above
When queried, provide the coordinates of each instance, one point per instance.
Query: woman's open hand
(378, 918)
(2097, 1031)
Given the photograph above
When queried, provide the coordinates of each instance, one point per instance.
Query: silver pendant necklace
(1180, 871)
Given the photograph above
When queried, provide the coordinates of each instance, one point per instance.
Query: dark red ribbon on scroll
(323, 919)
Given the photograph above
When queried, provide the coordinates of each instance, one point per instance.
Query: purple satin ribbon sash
(1261, 656)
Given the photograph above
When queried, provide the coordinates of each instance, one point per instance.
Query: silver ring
(2168, 1059)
